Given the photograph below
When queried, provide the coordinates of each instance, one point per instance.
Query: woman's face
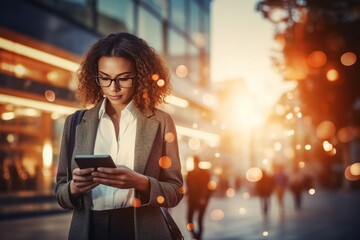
(120, 68)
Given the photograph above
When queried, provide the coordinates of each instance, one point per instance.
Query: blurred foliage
(330, 26)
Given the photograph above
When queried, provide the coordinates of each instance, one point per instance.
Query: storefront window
(29, 140)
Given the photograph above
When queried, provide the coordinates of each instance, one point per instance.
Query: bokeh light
(332, 75)
(50, 95)
(182, 71)
(160, 199)
(317, 59)
(160, 83)
(253, 174)
(155, 77)
(230, 192)
(348, 59)
(169, 137)
(165, 162)
(217, 214)
(352, 172)
(242, 211)
(135, 202)
(325, 130)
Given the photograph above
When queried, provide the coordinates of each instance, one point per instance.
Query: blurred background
(257, 86)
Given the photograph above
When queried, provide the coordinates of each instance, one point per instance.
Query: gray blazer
(150, 146)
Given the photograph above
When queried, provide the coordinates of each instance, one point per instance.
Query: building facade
(42, 43)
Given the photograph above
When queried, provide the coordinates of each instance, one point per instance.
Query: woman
(125, 80)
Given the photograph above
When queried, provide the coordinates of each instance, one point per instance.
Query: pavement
(330, 215)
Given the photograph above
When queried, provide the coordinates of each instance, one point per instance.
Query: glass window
(30, 141)
(194, 20)
(150, 29)
(177, 50)
(79, 10)
(115, 16)
(194, 64)
(160, 6)
(178, 17)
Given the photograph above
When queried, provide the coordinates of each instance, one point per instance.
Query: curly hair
(152, 81)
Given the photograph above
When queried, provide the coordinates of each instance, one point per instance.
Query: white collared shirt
(122, 149)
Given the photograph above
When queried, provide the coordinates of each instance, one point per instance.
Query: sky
(241, 46)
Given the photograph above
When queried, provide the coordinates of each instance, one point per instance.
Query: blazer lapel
(145, 136)
(86, 131)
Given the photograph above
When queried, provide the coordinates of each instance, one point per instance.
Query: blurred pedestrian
(198, 193)
(299, 182)
(264, 189)
(280, 183)
(118, 78)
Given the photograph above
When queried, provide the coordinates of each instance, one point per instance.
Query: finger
(85, 171)
(108, 170)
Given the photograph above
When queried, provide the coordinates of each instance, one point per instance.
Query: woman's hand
(82, 181)
(121, 177)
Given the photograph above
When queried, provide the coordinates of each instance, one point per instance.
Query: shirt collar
(129, 108)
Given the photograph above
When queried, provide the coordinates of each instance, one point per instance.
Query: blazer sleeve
(169, 181)
(62, 187)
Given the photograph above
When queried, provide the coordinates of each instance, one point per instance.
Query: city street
(325, 215)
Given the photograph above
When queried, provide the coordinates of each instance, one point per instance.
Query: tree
(321, 50)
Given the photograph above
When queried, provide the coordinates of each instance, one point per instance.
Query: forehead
(111, 64)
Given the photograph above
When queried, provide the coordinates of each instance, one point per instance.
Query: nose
(114, 87)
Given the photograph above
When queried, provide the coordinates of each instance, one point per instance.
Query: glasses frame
(117, 80)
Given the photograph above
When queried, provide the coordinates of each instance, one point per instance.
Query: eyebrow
(116, 75)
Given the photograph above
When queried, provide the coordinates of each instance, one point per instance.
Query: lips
(115, 97)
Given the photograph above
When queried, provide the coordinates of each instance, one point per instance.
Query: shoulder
(162, 117)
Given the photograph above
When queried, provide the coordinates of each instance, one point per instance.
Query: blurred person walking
(124, 122)
(198, 193)
(280, 184)
(264, 189)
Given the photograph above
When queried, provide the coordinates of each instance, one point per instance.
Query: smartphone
(94, 161)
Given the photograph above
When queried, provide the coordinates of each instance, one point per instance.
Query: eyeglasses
(123, 82)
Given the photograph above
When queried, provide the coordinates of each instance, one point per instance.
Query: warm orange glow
(160, 199)
(155, 77)
(348, 59)
(352, 172)
(332, 75)
(345, 134)
(165, 162)
(190, 226)
(136, 202)
(211, 185)
(325, 130)
(182, 190)
(317, 59)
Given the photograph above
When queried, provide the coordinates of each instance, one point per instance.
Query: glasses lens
(124, 82)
